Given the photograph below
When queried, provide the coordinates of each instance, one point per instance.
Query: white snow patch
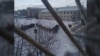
(52, 23)
(65, 42)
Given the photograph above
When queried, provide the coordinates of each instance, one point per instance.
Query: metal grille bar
(33, 42)
(82, 11)
(58, 19)
(5, 34)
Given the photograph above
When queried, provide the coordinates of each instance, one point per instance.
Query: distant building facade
(20, 13)
(32, 12)
(69, 13)
(27, 13)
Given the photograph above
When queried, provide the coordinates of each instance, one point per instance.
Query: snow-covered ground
(63, 44)
(52, 23)
(45, 23)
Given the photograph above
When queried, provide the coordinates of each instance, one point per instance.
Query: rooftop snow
(68, 8)
(45, 23)
(52, 23)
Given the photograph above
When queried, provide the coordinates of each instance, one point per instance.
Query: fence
(57, 18)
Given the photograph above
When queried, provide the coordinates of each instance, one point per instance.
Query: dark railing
(58, 19)
(82, 10)
(6, 35)
(33, 42)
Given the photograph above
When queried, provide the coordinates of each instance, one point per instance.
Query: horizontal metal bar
(6, 35)
(33, 42)
(58, 19)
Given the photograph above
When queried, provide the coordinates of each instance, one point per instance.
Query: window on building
(61, 12)
(70, 12)
(67, 12)
(64, 12)
(67, 16)
(75, 12)
(58, 12)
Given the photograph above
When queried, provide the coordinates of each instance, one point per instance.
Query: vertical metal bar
(5, 34)
(33, 42)
(57, 18)
(82, 11)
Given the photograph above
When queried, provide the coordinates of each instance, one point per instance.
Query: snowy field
(63, 46)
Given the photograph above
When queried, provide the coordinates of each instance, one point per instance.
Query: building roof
(67, 8)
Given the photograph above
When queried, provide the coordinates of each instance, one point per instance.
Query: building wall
(73, 15)
(32, 12)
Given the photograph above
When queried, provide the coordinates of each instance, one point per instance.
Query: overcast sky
(22, 4)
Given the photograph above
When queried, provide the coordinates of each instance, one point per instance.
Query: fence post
(33, 42)
(57, 18)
